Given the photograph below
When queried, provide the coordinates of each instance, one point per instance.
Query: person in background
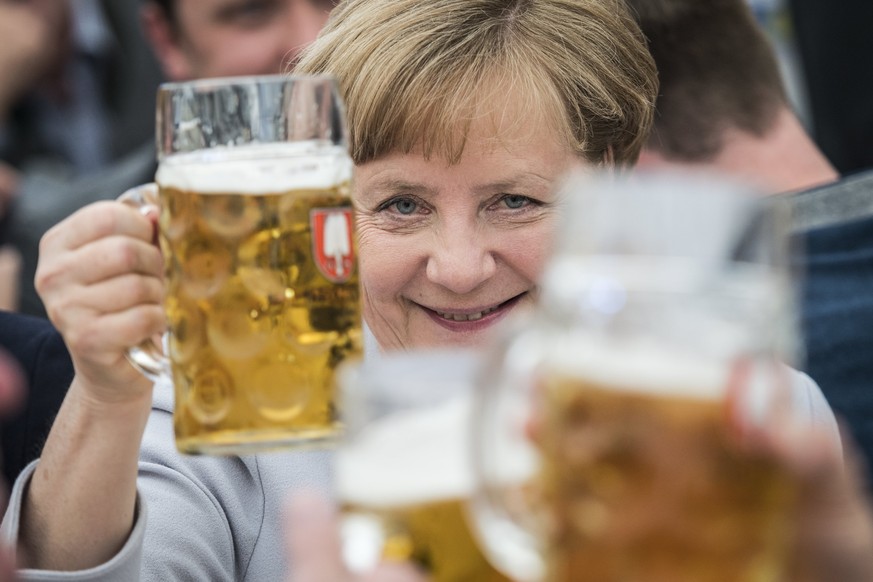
(222, 38)
(40, 353)
(11, 395)
(77, 85)
(191, 39)
(834, 43)
(456, 210)
(105, 144)
(722, 107)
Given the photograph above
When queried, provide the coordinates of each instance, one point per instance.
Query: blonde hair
(414, 73)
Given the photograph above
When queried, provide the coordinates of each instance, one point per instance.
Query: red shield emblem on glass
(332, 245)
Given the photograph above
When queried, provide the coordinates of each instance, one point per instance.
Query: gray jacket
(217, 518)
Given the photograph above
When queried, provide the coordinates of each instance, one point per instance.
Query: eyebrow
(396, 186)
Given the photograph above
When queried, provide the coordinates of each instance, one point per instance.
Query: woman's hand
(100, 278)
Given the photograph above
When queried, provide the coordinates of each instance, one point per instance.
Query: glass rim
(221, 83)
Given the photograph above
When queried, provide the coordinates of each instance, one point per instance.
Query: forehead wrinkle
(397, 186)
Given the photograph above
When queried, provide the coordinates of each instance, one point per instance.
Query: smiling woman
(462, 114)
(447, 250)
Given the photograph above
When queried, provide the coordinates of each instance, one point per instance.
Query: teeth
(469, 317)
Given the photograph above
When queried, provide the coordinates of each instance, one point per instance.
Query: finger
(109, 296)
(758, 398)
(94, 222)
(312, 540)
(834, 529)
(104, 340)
(98, 261)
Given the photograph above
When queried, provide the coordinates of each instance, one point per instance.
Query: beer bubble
(236, 326)
(209, 393)
(269, 265)
(294, 207)
(205, 264)
(230, 215)
(177, 213)
(281, 387)
(187, 330)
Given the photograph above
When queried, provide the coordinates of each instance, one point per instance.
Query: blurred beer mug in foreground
(257, 233)
(403, 470)
(667, 297)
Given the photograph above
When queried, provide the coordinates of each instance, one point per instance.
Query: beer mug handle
(506, 460)
(147, 357)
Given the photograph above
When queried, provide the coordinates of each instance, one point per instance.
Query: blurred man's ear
(166, 42)
(653, 160)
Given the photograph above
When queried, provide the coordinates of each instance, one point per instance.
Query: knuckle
(46, 277)
(104, 218)
(141, 290)
(75, 338)
(127, 256)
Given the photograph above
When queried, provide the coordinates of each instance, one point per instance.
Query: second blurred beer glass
(666, 305)
(403, 468)
(257, 233)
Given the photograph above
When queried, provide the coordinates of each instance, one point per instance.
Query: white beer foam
(257, 168)
(639, 365)
(409, 458)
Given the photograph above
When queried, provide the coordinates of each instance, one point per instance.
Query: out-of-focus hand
(33, 39)
(100, 278)
(834, 535)
(313, 547)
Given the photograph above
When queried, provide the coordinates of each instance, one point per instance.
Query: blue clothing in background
(40, 351)
(836, 225)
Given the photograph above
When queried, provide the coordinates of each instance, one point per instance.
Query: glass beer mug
(403, 472)
(603, 450)
(257, 233)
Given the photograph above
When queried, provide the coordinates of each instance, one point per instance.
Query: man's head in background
(218, 38)
(722, 104)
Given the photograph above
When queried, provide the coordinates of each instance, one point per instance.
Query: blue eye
(405, 206)
(514, 202)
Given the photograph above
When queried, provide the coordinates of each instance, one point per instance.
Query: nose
(461, 260)
(305, 20)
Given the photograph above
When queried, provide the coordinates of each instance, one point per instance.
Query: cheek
(528, 249)
(387, 262)
(245, 54)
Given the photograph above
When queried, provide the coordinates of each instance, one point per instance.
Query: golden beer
(404, 486)
(262, 293)
(644, 484)
(433, 535)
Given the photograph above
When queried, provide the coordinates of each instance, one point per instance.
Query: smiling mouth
(469, 316)
(476, 315)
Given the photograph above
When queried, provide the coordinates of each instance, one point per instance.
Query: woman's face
(447, 251)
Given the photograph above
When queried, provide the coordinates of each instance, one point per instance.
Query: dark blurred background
(826, 48)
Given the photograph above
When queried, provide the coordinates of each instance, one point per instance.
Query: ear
(166, 42)
(652, 159)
